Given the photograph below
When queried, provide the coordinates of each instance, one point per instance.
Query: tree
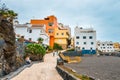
(40, 40)
(35, 49)
(57, 47)
(7, 14)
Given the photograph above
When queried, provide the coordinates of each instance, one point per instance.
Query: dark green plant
(57, 47)
(71, 50)
(49, 48)
(7, 14)
(40, 40)
(35, 49)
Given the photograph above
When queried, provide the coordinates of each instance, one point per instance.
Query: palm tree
(7, 14)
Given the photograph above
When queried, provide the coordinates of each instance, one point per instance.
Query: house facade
(32, 32)
(116, 46)
(106, 46)
(62, 35)
(51, 23)
(85, 40)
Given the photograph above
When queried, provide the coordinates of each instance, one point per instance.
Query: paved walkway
(41, 71)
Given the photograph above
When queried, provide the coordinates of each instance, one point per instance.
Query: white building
(85, 40)
(32, 32)
(106, 46)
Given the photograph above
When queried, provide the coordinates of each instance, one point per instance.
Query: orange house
(51, 23)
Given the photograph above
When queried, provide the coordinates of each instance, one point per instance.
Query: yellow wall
(59, 32)
(61, 41)
(61, 36)
(116, 45)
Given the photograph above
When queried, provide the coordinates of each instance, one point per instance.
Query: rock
(9, 51)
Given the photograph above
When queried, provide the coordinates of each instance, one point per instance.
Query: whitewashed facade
(106, 46)
(85, 40)
(32, 32)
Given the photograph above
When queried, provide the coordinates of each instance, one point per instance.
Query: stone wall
(8, 55)
(65, 75)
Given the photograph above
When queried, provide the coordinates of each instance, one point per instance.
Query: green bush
(35, 49)
(40, 40)
(57, 47)
(71, 50)
(49, 48)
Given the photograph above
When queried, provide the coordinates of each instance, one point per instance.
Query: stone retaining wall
(65, 75)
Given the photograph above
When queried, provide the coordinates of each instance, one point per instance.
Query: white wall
(22, 31)
(79, 32)
(34, 35)
(106, 47)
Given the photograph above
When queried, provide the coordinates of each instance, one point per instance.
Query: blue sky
(102, 15)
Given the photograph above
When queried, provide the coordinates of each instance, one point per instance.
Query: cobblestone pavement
(101, 68)
(41, 71)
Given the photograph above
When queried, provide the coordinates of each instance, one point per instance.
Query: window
(111, 44)
(91, 48)
(46, 18)
(30, 39)
(90, 37)
(103, 44)
(98, 44)
(84, 43)
(77, 42)
(50, 23)
(22, 36)
(83, 48)
(77, 37)
(62, 33)
(92, 43)
(30, 31)
(50, 30)
(84, 37)
(103, 47)
(57, 33)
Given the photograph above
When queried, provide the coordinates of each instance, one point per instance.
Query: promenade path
(41, 71)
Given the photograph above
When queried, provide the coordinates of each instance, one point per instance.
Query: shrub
(57, 47)
(49, 48)
(71, 50)
(40, 40)
(35, 49)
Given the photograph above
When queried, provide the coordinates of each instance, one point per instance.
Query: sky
(102, 15)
